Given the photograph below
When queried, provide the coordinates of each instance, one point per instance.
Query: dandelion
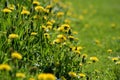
(72, 74)
(50, 77)
(75, 32)
(86, 25)
(46, 35)
(109, 51)
(57, 41)
(67, 21)
(36, 17)
(115, 59)
(35, 2)
(118, 62)
(89, 62)
(48, 7)
(61, 37)
(97, 41)
(45, 17)
(46, 76)
(79, 48)
(71, 38)
(6, 10)
(12, 36)
(5, 67)
(62, 78)
(81, 75)
(64, 28)
(60, 14)
(81, 17)
(52, 21)
(85, 11)
(31, 79)
(113, 25)
(44, 28)
(11, 6)
(26, 12)
(16, 55)
(81, 64)
(20, 75)
(94, 59)
(39, 8)
(84, 56)
(33, 33)
(49, 23)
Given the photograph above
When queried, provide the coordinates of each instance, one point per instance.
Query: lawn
(59, 40)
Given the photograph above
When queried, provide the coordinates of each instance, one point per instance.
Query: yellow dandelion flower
(84, 55)
(89, 62)
(16, 55)
(79, 48)
(61, 29)
(46, 10)
(48, 7)
(81, 17)
(115, 59)
(20, 75)
(82, 75)
(46, 35)
(26, 12)
(60, 14)
(118, 62)
(62, 78)
(56, 1)
(35, 2)
(36, 16)
(31, 79)
(50, 77)
(45, 28)
(13, 36)
(5, 67)
(6, 10)
(11, 6)
(72, 74)
(57, 41)
(49, 23)
(62, 37)
(46, 76)
(52, 21)
(42, 76)
(71, 38)
(77, 52)
(113, 25)
(33, 33)
(109, 51)
(75, 32)
(81, 64)
(97, 41)
(39, 8)
(67, 21)
(94, 59)
(66, 27)
(45, 17)
(85, 11)
(49, 27)
(86, 25)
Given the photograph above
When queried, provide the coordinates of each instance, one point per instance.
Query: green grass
(44, 41)
(107, 12)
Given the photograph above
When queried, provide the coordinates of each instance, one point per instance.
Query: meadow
(59, 40)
